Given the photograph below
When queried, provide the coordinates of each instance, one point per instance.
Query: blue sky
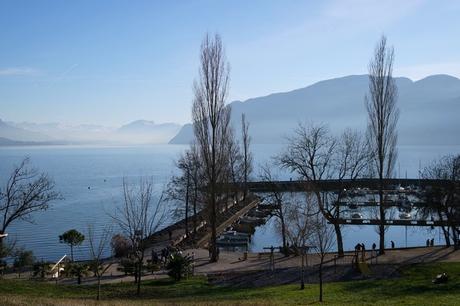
(111, 62)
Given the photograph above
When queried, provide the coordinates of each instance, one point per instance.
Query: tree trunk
(338, 233)
(71, 252)
(2, 232)
(138, 292)
(213, 221)
(382, 221)
(454, 237)
(194, 217)
(283, 228)
(446, 236)
(98, 288)
(302, 276)
(321, 281)
(186, 206)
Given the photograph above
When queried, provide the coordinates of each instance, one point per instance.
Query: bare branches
(300, 214)
(310, 152)
(383, 117)
(138, 212)
(97, 247)
(185, 189)
(444, 203)
(211, 120)
(277, 197)
(382, 111)
(247, 155)
(352, 155)
(322, 239)
(314, 154)
(139, 217)
(27, 191)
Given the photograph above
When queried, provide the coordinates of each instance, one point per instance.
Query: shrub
(121, 246)
(179, 266)
(22, 259)
(77, 270)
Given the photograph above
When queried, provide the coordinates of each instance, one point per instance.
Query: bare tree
(277, 197)
(235, 165)
(383, 116)
(322, 239)
(97, 247)
(184, 189)
(298, 219)
(299, 228)
(443, 203)
(27, 191)
(351, 161)
(315, 155)
(138, 218)
(310, 154)
(247, 155)
(211, 119)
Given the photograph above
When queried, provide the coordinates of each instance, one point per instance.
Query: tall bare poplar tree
(211, 118)
(383, 116)
(247, 155)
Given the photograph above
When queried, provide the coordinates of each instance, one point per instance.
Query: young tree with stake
(139, 217)
(97, 247)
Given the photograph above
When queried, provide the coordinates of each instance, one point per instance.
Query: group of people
(360, 248)
(430, 242)
(163, 255)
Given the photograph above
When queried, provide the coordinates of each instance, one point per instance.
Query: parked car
(357, 216)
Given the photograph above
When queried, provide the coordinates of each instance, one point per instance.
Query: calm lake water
(74, 169)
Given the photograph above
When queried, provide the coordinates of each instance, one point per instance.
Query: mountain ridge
(135, 132)
(339, 102)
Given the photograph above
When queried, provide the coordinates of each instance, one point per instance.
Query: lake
(102, 169)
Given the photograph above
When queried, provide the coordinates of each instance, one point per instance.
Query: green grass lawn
(413, 288)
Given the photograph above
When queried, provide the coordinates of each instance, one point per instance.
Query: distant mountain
(136, 132)
(76, 133)
(144, 131)
(184, 136)
(8, 142)
(429, 110)
(19, 134)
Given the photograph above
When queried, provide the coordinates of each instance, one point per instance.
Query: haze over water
(102, 169)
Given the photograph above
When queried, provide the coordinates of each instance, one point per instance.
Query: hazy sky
(111, 62)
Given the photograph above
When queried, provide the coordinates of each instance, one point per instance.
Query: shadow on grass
(416, 280)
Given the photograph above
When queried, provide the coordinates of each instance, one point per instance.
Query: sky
(113, 62)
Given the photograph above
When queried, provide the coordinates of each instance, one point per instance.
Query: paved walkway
(233, 261)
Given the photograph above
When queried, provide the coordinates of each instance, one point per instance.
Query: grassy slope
(414, 288)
